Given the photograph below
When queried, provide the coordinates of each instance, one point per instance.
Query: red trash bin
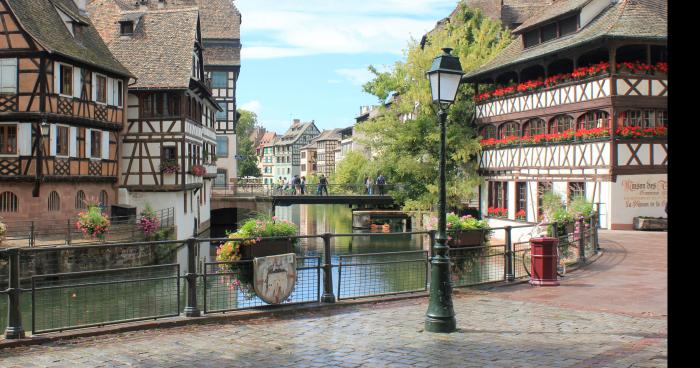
(543, 261)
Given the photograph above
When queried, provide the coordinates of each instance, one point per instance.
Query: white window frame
(94, 88)
(58, 80)
(54, 139)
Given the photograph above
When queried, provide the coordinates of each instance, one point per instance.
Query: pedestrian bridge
(350, 194)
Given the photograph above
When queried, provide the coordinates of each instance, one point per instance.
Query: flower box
(266, 247)
(650, 223)
(468, 238)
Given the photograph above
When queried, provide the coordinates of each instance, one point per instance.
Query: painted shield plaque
(275, 277)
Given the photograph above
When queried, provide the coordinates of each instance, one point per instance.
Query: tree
(407, 151)
(247, 122)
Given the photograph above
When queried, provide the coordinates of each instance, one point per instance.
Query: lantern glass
(443, 86)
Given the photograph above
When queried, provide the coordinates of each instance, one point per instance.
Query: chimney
(296, 121)
(82, 6)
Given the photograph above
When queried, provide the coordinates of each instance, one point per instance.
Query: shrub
(580, 207)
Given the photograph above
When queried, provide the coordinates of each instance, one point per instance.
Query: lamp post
(445, 76)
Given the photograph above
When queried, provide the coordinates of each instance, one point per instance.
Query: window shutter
(52, 140)
(88, 142)
(105, 145)
(56, 77)
(94, 87)
(24, 137)
(8, 75)
(110, 91)
(77, 82)
(73, 139)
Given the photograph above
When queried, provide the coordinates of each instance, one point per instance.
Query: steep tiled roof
(43, 23)
(220, 19)
(159, 52)
(518, 11)
(294, 133)
(629, 19)
(267, 139)
(224, 55)
(328, 135)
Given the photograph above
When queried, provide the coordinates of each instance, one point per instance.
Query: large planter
(650, 224)
(266, 248)
(468, 238)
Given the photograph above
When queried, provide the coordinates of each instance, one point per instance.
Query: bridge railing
(243, 190)
(60, 288)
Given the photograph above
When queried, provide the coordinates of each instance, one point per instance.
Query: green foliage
(407, 152)
(455, 222)
(247, 122)
(551, 203)
(580, 206)
(266, 226)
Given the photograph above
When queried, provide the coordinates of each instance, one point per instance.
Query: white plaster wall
(184, 222)
(638, 195)
(511, 200)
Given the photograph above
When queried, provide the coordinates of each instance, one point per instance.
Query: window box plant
(467, 231)
(521, 215)
(198, 170)
(169, 166)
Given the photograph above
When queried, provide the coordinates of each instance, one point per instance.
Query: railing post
(191, 309)
(581, 241)
(68, 236)
(510, 270)
(14, 328)
(31, 235)
(594, 234)
(328, 296)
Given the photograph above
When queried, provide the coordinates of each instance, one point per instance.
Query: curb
(274, 312)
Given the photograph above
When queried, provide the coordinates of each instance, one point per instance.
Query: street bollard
(510, 269)
(328, 296)
(581, 241)
(14, 328)
(191, 309)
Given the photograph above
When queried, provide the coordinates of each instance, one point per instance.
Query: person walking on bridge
(322, 185)
(368, 185)
(303, 185)
(381, 181)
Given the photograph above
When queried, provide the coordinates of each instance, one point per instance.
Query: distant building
(287, 148)
(266, 156)
(309, 161)
(326, 143)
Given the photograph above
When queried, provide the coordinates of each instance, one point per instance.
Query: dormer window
(126, 28)
(550, 31)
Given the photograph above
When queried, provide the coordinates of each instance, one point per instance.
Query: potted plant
(467, 231)
(169, 166)
(148, 223)
(198, 170)
(521, 215)
(93, 222)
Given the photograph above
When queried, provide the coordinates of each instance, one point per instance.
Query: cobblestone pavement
(494, 331)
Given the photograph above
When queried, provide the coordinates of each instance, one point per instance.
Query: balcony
(560, 90)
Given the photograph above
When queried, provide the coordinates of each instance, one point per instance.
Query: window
(100, 88)
(303, 154)
(576, 189)
(549, 32)
(8, 76)
(521, 197)
(221, 115)
(219, 79)
(303, 167)
(104, 199)
(509, 129)
(80, 200)
(96, 144)
(54, 202)
(61, 141)
(8, 202)
(593, 119)
(534, 127)
(119, 93)
(222, 146)
(568, 25)
(220, 179)
(498, 194)
(561, 124)
(531, 38)
(169, 153)
(8, 139)
(488, 131)
(126, 28)
(65, 80)
(645, 118)
(542, 188)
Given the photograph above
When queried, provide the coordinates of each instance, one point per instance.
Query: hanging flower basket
(148, 223)
(93, 223)
(198, 170)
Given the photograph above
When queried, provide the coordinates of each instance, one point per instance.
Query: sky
(308, 59)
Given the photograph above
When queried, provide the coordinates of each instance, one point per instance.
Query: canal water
(153, 292)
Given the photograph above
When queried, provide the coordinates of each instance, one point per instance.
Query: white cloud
(357, 76)
(296, 28)
(254, 106)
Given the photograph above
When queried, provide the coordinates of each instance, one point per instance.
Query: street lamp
(445, 76)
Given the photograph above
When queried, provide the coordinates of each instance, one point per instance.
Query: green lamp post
(445, 76)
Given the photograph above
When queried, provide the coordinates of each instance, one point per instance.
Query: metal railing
(60, 288)
(47, 233)
(268, 190)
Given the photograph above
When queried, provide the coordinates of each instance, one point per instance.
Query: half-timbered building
(170, 138)
(62, 96)
(577, 103)
(287, 148)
